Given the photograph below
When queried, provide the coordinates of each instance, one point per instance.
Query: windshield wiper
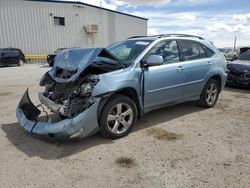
(109, 64)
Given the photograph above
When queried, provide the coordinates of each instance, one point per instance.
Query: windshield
(245, 56)
(128, 51)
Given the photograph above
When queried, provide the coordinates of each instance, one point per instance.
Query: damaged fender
(82, 125)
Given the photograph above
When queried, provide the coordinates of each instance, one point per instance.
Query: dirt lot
(179, 146)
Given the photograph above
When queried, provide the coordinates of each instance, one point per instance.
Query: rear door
(163, 84)
(197, 65)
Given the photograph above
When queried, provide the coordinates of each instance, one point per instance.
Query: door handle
(209, 63)
(180, 68)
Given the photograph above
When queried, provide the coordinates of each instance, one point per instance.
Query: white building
(40, 27)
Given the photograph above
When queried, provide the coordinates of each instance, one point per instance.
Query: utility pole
(235, 39)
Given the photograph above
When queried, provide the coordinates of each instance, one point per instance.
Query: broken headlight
(46, 80)
(86, 89)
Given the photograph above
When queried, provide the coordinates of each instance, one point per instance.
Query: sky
(216, 20)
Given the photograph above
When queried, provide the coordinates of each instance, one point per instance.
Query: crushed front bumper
(56, 108)
(83, 125)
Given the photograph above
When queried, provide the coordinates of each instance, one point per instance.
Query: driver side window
(168, 50)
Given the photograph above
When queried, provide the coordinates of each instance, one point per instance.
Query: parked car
(107, 89)
(239, 70)
(229, 53)
(51, 57)
(244, 49)
(10, 56)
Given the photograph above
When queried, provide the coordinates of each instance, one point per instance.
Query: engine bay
(76, 96)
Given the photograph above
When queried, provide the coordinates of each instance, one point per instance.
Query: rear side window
(202, 52)
(193, 50)
(190, 50)
(207, 50)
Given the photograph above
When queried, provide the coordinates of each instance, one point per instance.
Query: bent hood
(239, 66)
(73, 61)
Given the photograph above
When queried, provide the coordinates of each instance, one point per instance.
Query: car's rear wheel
(20, 62)
(210, 94)
(118, 117)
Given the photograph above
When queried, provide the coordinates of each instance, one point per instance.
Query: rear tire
(210, 94)
(118, 117)
(20, 62)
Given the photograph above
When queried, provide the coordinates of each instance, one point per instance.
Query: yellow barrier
(36, 56)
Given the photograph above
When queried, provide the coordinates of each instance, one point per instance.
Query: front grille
(237, 74)
(65, 74)
(247, 75)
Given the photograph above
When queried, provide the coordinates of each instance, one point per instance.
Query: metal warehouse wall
(30, 26)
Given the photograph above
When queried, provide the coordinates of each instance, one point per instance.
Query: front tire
(210, 94)
(118, 117)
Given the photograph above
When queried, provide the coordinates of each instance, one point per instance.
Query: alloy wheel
(120, 118)
(212, 92)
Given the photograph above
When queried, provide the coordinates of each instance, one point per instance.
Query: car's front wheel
(118, 117)
(210, 94)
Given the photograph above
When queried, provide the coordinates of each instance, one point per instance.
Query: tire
(51, 63)
(115, 123)
(210, 94)
(20, 62)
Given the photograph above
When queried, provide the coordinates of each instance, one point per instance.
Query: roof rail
(136, 37)
(181, 35)
(159, 36)
(169, 35)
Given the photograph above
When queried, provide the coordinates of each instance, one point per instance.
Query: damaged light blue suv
(107, 89)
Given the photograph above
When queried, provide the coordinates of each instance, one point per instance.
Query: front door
(163, 84)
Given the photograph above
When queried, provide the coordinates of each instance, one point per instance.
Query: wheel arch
(217, 78)
(128, 92)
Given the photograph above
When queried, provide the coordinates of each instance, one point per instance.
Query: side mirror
(153, 60)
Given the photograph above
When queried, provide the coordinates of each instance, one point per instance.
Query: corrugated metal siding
(29, 26)
(111, 28)
(126, 26)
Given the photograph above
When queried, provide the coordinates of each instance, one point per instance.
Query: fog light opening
(51, 135)
(77, 134)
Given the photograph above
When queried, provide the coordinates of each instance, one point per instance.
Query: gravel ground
(179, 146)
